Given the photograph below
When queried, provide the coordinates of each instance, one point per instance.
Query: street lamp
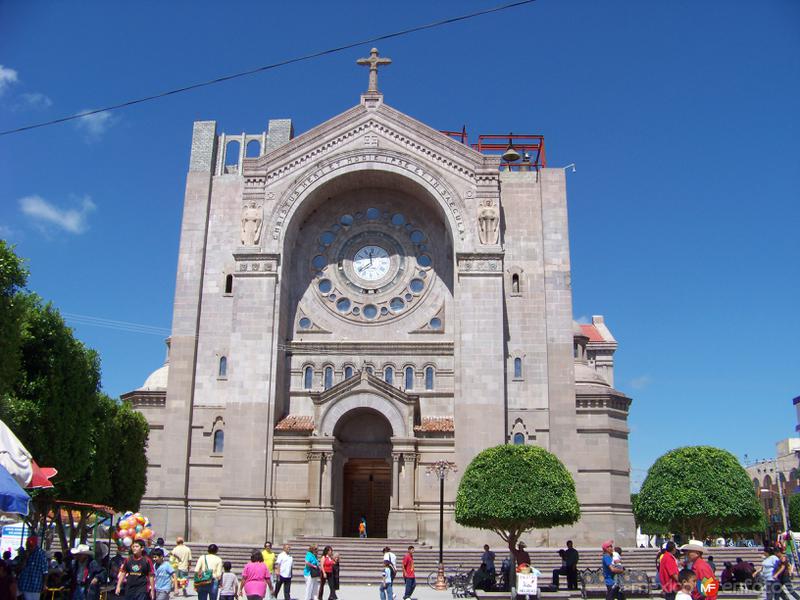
(441, 468)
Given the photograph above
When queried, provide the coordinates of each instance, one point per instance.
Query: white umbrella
(14, 457)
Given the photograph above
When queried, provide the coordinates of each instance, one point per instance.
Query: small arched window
(388, 375)
(519, 439)
(368, 370)
(308, 378)
(517, 368)
(229, 284)
(409, 378)
(253, 149)
(515, 283)
(328, 383)
(348, 372)
(232, 153)
(219, 441)
(223, 367)
(429, 378)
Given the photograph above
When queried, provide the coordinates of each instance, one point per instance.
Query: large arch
(337, 409)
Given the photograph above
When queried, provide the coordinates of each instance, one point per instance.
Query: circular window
(326, 238)
(416, 285)
(409, 297)
(384, 311)
(398, 219)
(325, 286)
(417, 236)
(319, 261)
(397, 304)
(356, 310)
(346, 220)
(370, 311)
(373, 213)
(423, 260)
(305, 323)
(436, 323)
(332, 297)
(343, 305)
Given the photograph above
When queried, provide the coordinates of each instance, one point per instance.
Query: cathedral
(357, 303)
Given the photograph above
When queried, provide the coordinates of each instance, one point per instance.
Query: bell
(511, 154)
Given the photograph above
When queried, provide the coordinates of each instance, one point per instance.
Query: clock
(371, 263)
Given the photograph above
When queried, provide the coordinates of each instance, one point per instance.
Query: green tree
(512, 489)
(13, 277)
(794, 512)
(698, 491)
(129, 459)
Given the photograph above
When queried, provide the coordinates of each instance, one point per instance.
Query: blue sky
(682, 118)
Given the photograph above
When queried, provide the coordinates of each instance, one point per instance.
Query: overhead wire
(114, 324)
(268, 67)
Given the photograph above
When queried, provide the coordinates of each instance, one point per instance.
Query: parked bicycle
(458, 581)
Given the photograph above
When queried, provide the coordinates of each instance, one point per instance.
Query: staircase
(361, 560)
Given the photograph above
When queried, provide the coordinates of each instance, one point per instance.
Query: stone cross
(374, 61)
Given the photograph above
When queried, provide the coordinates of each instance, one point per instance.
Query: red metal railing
(529, 146)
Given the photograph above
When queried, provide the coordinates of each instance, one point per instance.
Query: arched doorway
(363, 462)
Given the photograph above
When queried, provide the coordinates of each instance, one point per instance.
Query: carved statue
(488, 223)
(252, 219)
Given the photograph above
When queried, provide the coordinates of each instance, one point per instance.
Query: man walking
(284, 563)
(183, 554)
(668, 572)
(32, 576)
(408, 573)
(610, 572)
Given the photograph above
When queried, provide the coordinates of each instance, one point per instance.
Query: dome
(157, 379)
(586, 374)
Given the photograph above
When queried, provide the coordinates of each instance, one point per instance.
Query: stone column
(396, 480)
(314, 478)
(480, 374)
(327, 483)
(407, 479)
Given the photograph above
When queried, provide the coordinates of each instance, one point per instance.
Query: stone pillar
(396, 480)
(480, 374)
(167, 487)
(327, 482)
(314, 478)
(408, 477)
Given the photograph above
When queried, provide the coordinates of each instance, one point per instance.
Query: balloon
(123, 524)
(138, 528)
(140, 519)
(127, 542)
(127, 514)
(114, 534)
(147, 533)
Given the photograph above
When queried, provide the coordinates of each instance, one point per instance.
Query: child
(386, 580)
(229, 583)
(616, 560)
(687, 581)
(166, 580)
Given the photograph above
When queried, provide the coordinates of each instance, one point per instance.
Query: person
(694, 555)
(482, 579)
(326, 574)
(362, 528)
(311, 572)
(726, 578)
(283, 566)
(269, 556)
(30, 582)
(256, 578)
(712, 564)
(386, 580)
(392, 558)
(336, 572)
(86, 574)
(767, 571)
(409, 577)
(137, 575)
(521, 555)
(159, 545)
(183, 555)
(166, 581)
(742, 572)
(488, 558)
(668, 572)
(8, 585)
(229, 584)
(213, 563)
(569, 567)
(783, 577)
(687, 581)
(610, 572)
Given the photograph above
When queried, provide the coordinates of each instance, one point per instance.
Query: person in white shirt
(687, 580)
(283, 566)
(392, 558)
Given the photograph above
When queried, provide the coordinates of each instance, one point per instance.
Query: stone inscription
(388, 159)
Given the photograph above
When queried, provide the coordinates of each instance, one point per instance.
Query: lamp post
(441, 468)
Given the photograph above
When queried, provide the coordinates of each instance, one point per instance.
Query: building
(356, 303)
(768, 474)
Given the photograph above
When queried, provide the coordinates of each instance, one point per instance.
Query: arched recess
(519, 428)
(338, 408)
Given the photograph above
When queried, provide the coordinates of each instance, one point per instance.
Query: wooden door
(367, 492)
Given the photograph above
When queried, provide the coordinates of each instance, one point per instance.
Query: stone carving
(252, 219)
(373, 62)
(488, 223)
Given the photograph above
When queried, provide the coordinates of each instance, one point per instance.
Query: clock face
(371, 263)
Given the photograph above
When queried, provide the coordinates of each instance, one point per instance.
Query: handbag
(313, 570)
(204, 577)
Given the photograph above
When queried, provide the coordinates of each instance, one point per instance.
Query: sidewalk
(359, 592)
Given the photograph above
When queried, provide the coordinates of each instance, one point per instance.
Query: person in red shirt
(707, 585)
(668, 572)
(408, 573)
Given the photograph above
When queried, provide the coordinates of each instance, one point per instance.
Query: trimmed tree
(794, 512)
(512, 489)
(698, 491)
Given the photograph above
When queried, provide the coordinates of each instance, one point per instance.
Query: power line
(262, 68)
(113, 324)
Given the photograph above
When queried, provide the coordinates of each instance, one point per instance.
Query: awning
(13, 499)
(41, 476)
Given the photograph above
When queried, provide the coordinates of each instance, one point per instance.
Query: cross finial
(373, 62)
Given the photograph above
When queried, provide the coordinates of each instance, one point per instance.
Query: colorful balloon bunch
(132, 526)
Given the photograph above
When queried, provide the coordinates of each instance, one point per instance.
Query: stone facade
(402, 300)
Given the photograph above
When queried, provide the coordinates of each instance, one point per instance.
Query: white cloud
(35, 100)
(583, 320)
(44, 213)
(94, 126)
(7, 78)
(641, 382)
